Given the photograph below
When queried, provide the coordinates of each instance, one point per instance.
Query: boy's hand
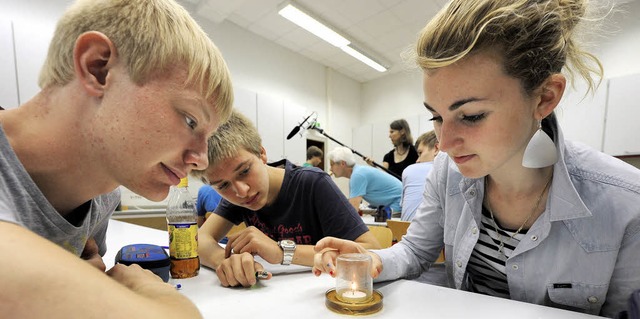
(239, 269)
(251, 240)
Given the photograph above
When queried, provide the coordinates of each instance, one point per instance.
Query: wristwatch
(288, 247)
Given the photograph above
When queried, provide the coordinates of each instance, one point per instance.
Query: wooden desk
(294, 292)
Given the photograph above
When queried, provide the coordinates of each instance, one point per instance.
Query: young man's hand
(239, 270)
(92, 255)
(251, 240)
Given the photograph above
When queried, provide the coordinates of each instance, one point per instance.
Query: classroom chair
(399, 229)
(382, 234)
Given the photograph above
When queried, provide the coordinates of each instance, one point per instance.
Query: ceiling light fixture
(365, 59)
(307, 22)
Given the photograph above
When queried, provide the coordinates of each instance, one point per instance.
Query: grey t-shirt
(22, 203)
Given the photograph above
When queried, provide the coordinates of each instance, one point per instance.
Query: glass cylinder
(353, 281)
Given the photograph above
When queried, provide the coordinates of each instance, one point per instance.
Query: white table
(294, 292)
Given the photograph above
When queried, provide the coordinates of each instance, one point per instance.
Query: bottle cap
(184, 182)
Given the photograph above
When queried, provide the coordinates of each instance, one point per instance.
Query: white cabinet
(581, 116)
(8, 79)
(275, 120)
(295, 149)
(270, 124)
(623, 111)
(23, 47)
(606, 120)
(245, 102)
(32, 40)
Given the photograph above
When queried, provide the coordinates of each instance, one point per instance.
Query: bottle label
(183, 240)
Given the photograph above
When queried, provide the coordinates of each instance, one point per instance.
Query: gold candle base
(371, 306)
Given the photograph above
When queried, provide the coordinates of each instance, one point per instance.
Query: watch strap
(288, 251)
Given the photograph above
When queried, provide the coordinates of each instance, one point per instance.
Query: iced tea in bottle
(182, 221)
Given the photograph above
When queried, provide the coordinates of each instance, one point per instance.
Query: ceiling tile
(254, 10)
(302, 38)
(217, 10)
(384, 28)
(239, 20)
(272, 27)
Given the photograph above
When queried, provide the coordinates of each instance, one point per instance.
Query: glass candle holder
(353, 281)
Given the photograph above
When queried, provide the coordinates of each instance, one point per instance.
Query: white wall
(619, 51)
(393, 97)
(33, 26)
(258, 65)
(255, 64)
(400, 95)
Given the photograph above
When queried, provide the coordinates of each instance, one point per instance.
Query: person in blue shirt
(365, 182)
(521, 213)
(415, 175)
(207, 201)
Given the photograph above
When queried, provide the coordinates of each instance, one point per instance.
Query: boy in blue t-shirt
(207, 201)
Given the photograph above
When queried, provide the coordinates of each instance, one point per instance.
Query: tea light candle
(353, 280)
(354, 295)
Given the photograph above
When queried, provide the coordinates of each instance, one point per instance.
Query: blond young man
(287, 209)
(415, 175)
(131, 91)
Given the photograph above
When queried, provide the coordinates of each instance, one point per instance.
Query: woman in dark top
(403, 153)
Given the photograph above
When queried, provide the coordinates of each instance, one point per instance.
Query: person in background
(207, 201)
(403, 153)
(522, 213)
(314, 156)
(129, 97)
(286, 210)
(371, 184)
(415, 175)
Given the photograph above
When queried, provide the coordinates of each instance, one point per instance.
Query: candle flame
(353, 286)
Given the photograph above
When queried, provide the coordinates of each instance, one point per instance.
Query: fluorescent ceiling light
(366, 60)
(312, 25)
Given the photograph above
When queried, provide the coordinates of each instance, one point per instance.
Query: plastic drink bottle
(182, 221)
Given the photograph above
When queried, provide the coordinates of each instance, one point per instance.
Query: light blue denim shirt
(581, 254)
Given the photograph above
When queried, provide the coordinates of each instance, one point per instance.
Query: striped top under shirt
(486, 268)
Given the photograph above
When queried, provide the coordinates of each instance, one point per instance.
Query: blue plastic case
(148, 256)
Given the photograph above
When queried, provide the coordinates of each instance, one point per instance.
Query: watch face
(288, 243)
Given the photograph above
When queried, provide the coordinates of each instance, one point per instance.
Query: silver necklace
(400, 154)
(495, 225)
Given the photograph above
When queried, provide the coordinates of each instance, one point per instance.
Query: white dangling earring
(540, 152)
